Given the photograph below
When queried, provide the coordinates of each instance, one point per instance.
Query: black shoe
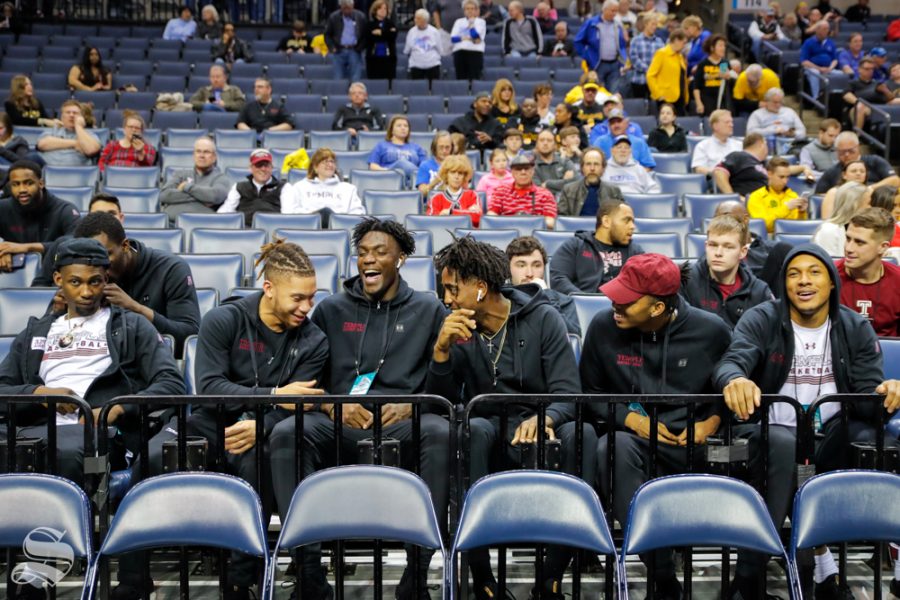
(124, 591)
(747, 588)
(895, 588)
(487, 590)
(29, 592)
(406, 588)
(667, 589)
(832, 589)
(315, 586)
(552, 590)
(237, 593)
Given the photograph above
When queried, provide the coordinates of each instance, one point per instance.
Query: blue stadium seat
(20, 303)
(441, 227)
(693, 183)
(303, 103)
(233, 157)
(681, 226)
(154, 220)
(700, 206)
(6, 342)
(219, 271)
(135, 200)
(525, 506)
(217, 120)
(283, 140)
(426, 105)
(793, 226)
(186, 509)
(114, 117)
(247, 242)
(325, 241)
(190, 359)
(575, 343)
(336, 140)
(398, 204)
(357, 495)
(295, 175)
(667, 244)
(100, 99)
(552, 240)
(190, 221)
(587, 306)
(499, 238)
(235, 175)
(345, 222)
(695, 245)
(131, 177)
(281, 71)
(576, 223)
(365, 180)
(442, 121)
(31, 134)
(794, 239)
(419, 273)
(137, 101)
(313, 121)
(652, 206)
(367, 140)
(269, 222)
(182, 138)
(349, 161)
(235, 139)
(79, 196)
(672, 163)
(167, 240)
(175, 120)
(24, 275)
(207, 299)
(424, 243)
(524, 225)
(450, 88)
(72, 177)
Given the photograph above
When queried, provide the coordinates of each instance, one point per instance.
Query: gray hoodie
(630, 178)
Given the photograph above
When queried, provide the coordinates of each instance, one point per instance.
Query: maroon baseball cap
(644, 275)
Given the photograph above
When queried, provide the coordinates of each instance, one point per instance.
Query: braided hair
(280, 259)
(394, 229)
(471, 259)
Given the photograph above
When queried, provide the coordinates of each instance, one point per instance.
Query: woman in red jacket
(451, 195)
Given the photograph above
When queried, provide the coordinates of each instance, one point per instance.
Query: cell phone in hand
(18, 261)
(137, 136)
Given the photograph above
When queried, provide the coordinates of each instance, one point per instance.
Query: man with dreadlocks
(262, 344)
(500, 340)
(380, 333)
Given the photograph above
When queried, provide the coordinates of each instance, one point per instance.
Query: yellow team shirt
(743, 91)
(768, 205)
(298, 159)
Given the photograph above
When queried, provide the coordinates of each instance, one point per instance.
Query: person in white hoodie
(322, 190)
(626, 173)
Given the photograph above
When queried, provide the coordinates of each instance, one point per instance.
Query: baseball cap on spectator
(522, 160)
(644, 275)
(80, 251)
(591, 86)
(616, 113)
(878, 51)
(260, 155)
(512, 133)
(481, 95)
(622, 139)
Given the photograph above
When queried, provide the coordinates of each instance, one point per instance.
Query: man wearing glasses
(879, 170)
(201, 189)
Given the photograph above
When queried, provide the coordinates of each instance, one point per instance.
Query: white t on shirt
(811, 375)
(79, 363)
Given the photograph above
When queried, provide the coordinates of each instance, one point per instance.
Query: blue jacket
(587, 42)
(602, 128)
(819, 53)
(696, 54)
(639, 148)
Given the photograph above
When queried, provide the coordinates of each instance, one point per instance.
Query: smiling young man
(869, 285)
(804, 345)
(720, 282)
(380, 333)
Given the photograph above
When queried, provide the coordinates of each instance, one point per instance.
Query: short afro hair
(471, 259)
(394, 229)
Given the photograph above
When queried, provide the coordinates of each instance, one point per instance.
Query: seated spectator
(322, 190)
(262, 113)
(893, 83)
(774, 118)
(624, 172)
(528, 264)
(878, 171)
(764, 28)
(24, 108)
(231, 49)
(870, 285)
(209, 27)
(774, 200)
(602, 128)
(482, 130)
(582, 198)
(521, 34)
(90, 75)
(566, 115)
(849, 57)
(618, 126)
(590, 110)
(219, 95)
(819, 155)
(523, 197)
(602, 43)
(296, 41)
(260, 192)
(497, 176)
(667, 74)
(852, 172)
(831, 235)
(668, 137)
(750, 88)
(10, 22)
(423, 46)
(201, 189)
(12, 147)
(131, 150)
(561, 44)
(545, 15)
(713, 150)
(692, 26)
(31, 217)
(467, 37)
(381, 43)
(744, 171)
(764, 256)
(887, 197)
(791, 29)
(441, 148)
(493, 14)
(574, 95)
(720, 282)
(866, 88)
(643, 47)
(451, 195)
(503, 103)
(551, 170)
(879, 55)
(859, 12)
(712, 77)
(69, 144)
(358, 115)
(570, 144)
(529, 123)
(592, 258)
(513, 140)
(182, 28)
(396, 152)
(818, 55)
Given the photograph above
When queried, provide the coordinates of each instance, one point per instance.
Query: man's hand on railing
(394, 413)
(702, 430)
(240, 437)
(527, 431)
(114, 413)
(891, 391)
(63, 409)
(742, 397)
(640, 425)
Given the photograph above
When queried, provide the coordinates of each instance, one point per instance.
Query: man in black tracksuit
(259, 345)
(482, 130)
(31, 217)
(720, 282)
(803, 345)
(152, 283)
(651, 342)
(505, 341)
(380, 333)
(590, 259)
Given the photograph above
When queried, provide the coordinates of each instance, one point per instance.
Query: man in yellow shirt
(751, 86)
(776, 200)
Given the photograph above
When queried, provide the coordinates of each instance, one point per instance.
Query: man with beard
(31, 217)
(482, 131)
(583, 197)
(590, 259)
(529, 123)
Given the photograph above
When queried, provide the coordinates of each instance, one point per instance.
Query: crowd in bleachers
(212, 157)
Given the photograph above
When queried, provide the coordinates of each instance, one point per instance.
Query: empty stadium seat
(681, 184)
(652, 206)
(131, 177)
(248, 242)
(499, 238)
(576, 223)
(134, 200)
(419, 273)
(217, 120)
(73, 177)
(24, 275)
(79, 196)
(700, 206)
(18, 304)
(283, 140)
(396, 203)
(167, 240)
(695, 245)
(272, 221)
(667, 244)
(365, 180)
(672, 162)
(367, 140)
(336, 140)
(325, 241)
(235, 139)
(523, 225)
(794, 239)
(233, 157)
(793, 226)
(680, 226)
(552, 240)
(441, 227)
(587, 306)
(221, 272)
(187, 222)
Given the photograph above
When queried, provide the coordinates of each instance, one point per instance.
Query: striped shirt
(534, 200)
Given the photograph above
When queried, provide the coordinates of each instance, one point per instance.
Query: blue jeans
(609, 74)
(348, 65)
(210, 107)
(813, 82)
(518, 54)
(408, 169)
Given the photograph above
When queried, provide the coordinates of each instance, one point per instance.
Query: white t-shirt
(711, 152)
(77, 364)
(811, 375)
